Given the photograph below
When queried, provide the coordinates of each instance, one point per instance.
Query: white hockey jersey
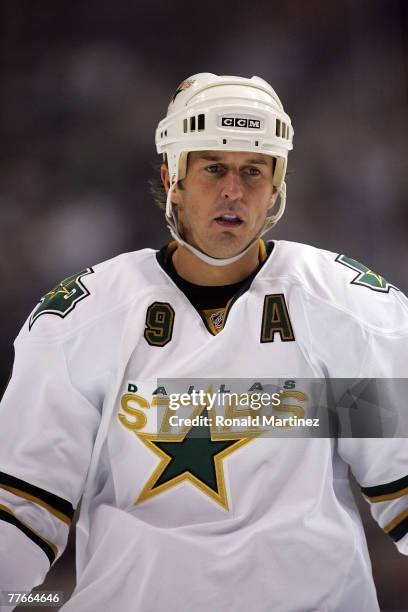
(233, 522)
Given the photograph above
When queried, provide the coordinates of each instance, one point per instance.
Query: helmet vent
(282, 129)
(195, 123)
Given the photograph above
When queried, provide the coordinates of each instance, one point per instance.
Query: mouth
(229, 220)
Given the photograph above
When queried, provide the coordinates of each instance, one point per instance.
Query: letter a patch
(275, 319)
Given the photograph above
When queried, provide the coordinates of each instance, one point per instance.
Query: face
(223, 200)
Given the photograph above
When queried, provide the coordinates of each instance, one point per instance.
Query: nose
(232, 188)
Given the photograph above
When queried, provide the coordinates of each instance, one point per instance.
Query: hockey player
(197, 516)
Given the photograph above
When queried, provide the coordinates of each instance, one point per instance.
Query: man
(197, 515)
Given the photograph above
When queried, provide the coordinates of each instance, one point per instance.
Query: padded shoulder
(343, 283)
(91, 294)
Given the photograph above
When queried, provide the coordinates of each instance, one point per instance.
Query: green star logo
(365, 277)
(63, 299)
(196, 457)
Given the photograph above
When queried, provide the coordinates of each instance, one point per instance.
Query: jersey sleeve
(380, 465)
(47, 431)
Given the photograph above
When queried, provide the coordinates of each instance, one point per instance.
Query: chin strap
(172, 223)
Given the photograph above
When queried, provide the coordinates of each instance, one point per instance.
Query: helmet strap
(172, 224)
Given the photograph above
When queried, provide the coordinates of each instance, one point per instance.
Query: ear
(165, 177)
(274, 197)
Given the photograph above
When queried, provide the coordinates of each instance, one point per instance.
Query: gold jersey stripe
(262, 252)
(396, 521)
(36, 500)
(53, 547)
(387, 496)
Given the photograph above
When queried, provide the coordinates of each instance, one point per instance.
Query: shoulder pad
(345, 284)
(89, 294)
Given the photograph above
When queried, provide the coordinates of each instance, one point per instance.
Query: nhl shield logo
(217, 319)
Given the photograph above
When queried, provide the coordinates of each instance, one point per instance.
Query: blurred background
(83, 86)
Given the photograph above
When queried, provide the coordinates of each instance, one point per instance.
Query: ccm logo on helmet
(240, 122)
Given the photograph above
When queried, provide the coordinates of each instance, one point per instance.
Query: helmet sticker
(241, 122)
(184, 85)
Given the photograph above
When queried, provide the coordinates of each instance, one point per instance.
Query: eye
(252, 171)
(214, 168)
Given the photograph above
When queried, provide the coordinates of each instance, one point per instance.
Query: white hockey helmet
(224, 113)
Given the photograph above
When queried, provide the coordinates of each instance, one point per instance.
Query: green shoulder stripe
(62, 299)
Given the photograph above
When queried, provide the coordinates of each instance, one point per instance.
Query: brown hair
(158, 192)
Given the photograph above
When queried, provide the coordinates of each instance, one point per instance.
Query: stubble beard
(222, 245)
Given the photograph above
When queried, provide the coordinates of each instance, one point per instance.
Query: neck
(196, 271)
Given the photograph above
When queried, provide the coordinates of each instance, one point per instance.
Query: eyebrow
(212, 157)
